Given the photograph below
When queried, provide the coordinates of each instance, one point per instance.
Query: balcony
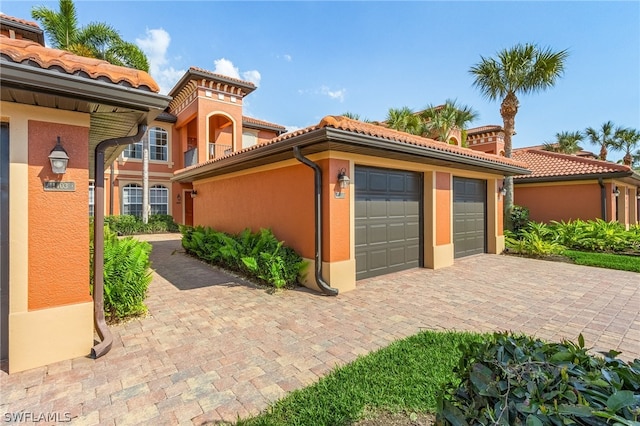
(218, 150)
(191, 157)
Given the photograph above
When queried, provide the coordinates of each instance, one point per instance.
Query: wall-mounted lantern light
(502, 191)
(616, 191)
(194, 193)
(179, 198)
(59, 159)
(343, 179)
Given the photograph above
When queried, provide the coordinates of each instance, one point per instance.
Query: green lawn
(605, 260)
(404, 376)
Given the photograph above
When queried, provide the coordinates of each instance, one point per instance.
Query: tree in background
(405, 120)
(439, 121)
(565, 143)
(520, 70)
(95, 40)
(605, 137)
(627, 140)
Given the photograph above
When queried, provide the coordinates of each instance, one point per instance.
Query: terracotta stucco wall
(58, 221)
(280, 198)
(336, 212)
(443, 208)
(560, 202)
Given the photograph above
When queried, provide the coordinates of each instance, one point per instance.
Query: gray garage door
(469, 216)
(387, 221)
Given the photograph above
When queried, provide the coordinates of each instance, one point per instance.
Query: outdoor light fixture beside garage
(616, 191)
(59, 159)
(343, 179)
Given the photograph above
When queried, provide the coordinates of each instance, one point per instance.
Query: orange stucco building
(50, 95)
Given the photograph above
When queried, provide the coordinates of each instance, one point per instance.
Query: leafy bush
(519, 218)
(533, 240)
(126, 275)
(129, 224)
(259, 255)
(596, 235)
(516, 380)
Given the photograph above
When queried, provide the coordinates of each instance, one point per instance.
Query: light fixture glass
(616, 191)
(343, 179)
(59, 159)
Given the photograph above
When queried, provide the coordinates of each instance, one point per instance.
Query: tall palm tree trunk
(508, 110)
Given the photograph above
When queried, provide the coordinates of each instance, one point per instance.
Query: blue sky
(312, 59)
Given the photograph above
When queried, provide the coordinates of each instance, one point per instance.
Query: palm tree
(520, 70)
(96, 40)
(565, 143)
(442, 119)
(404, 120)
(627, 140)
(605, 137)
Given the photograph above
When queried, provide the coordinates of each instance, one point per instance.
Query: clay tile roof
(484, 129)
(30, 53)
(222, 76)
(251, 120)
(552, 164)
(20, 21)
(374, 130)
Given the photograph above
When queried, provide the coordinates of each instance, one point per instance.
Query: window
(158, 146)
(92, 200)
(159, 199)
(249, 138)
(132, 199)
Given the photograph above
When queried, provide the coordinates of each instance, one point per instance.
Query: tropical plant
(95, 40)
(627, 140)
(520, 70)
(259, 255)
(605, 137)
(440, 120)
(126, 275)
(516, 380)
(404, 120)
(354, 116)
(565, 143)
(128, 224)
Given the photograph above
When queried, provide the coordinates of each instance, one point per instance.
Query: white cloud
(326, 91)
(155, 46)
(226, 67)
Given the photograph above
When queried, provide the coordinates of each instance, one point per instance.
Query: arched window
(132, 199)
(159, 199)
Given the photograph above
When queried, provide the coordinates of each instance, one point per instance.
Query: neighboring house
(47, 312)
(565, 187)
(489, 139)
(411, 201)
(203, 121)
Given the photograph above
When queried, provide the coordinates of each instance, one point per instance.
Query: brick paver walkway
(215, 347)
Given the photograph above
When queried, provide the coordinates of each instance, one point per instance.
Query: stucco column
(438, 213)
(495, 213)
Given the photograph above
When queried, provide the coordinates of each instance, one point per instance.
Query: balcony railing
(191, 157)
(218, 150)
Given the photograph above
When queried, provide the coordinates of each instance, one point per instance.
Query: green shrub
(519, 218)
(259, 255)
(126, 275)
(533, 240)
(518, 380)
(130, 225)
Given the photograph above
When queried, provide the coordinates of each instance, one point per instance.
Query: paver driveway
(215, 347)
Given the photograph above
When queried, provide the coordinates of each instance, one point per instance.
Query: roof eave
(589, 176)
(249, 125)
(52, 82)
(191, 73)
(327, 134)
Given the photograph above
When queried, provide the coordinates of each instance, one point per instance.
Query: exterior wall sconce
(616, 191)
(194, 193)
(59, 159)
(502, 191)
(179, 198)
(343, 179)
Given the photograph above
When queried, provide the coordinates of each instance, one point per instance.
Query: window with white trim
(132, 199)
(159, 199)
(92, 200)
(158, 145)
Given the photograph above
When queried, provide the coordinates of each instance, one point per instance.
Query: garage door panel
(469, 216)
(387, 220)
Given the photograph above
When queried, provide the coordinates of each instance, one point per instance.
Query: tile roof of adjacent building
(20, 21)
(484, 129)
(547, 164)
(373, 130)
(222, 76)
(30, 53)
(261, 123)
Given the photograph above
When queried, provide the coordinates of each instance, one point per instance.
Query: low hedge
(259, 255)
(130, 225)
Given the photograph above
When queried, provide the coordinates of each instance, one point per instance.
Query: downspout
(98, 241)
(111, 186)
(603, 199)
(317, 174)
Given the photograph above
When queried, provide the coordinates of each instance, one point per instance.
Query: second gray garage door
(387, 220)
(469, 216)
